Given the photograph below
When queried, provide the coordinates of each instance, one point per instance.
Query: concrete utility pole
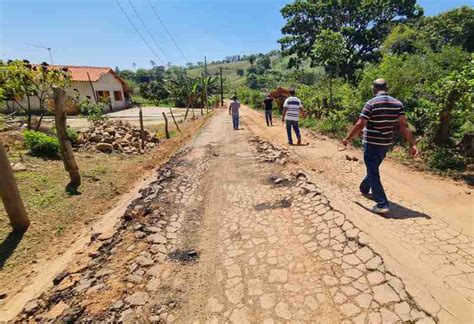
(11, 196)
(64, 143)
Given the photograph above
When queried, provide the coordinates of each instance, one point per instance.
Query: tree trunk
(331, 100)
(64, 142)
(142, 129)
(442, 134)
(28, 113)
(41, 117)
(11, 196)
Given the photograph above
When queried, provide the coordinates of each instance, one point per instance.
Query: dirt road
(238, 228)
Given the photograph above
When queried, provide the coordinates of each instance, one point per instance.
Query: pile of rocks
(270, 152)
(114, 136)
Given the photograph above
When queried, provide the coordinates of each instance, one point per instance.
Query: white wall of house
(107, 82)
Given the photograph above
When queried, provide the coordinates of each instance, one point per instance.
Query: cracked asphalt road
(237, 228)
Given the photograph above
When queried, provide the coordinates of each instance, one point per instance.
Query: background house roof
(79, 73)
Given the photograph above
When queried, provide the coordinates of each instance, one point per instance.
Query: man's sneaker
(367, 195)
(380, 210)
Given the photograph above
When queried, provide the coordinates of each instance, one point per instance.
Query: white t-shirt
(293, 105)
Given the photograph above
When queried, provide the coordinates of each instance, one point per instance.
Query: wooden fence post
(172, 116)
(166, 126)
(64, 142)
(11, 196)
(142, 130)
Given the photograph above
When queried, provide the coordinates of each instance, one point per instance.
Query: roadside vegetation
(428, 63)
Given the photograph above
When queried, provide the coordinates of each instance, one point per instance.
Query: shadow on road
(9, 245)
(397, 212)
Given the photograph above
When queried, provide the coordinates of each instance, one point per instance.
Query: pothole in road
(184, 256)
(282, 203)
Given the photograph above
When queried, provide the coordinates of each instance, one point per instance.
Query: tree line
(335, 49)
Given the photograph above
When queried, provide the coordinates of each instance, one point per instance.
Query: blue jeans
(235, 121)
(268, 117)
(295, 125)
(373, 157)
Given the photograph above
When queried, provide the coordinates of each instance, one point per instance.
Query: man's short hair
(234, 97)
(292, 92)
(380, 85)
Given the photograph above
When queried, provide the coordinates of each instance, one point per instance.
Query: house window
(102, 95)
(118, 96)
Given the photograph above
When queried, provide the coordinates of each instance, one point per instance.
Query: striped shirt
(293, 105)
(381, 113)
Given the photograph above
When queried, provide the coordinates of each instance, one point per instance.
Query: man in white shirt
(292, 107)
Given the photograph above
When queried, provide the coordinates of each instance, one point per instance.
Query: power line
(167, 32)
(148, 31)
(138, 32)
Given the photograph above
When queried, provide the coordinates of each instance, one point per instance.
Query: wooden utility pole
(92, 87)
(205, 65)
(64, 142)
(166, 126)
(222, 87)
(11, 196)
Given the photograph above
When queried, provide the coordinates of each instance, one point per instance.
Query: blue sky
(95, 32)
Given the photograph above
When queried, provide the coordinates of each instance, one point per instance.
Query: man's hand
(414, 151)
(345, 142)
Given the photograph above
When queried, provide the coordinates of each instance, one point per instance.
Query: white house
(90, 80)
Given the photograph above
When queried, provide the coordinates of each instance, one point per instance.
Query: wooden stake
(172, 116)
(64, 142)
(11, 196)
(166, 126)
(142, 130)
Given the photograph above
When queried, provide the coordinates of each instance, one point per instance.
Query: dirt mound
(114, 136)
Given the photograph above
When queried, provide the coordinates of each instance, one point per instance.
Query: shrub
(41, 144)
(72, 134)
(250, 97)
(443, 158)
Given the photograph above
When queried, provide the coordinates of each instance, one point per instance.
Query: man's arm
(355, 131)
(230, 108)
(302, 112)
(408, 135)
(283, 114)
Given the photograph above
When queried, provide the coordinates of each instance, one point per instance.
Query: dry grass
(56, 216)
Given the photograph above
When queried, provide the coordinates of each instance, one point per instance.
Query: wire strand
(148, 31)
(138, 32)
(167, 32)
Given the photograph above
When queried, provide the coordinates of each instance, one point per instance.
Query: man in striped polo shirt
(292, 107)
(377, 119)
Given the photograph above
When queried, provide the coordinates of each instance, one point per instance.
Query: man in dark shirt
(377, 120)
(268, 104)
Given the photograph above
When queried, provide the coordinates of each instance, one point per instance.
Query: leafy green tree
(252, 59)
(330, 51)
(363, 25)
(454, 27)
(154, 91)
(44, 79)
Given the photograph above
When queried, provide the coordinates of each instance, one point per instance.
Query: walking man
(377, 120)
(292, 107)
(268, 104)
(234, 108)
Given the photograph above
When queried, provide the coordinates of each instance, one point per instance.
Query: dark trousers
(295, 125)
(235, 121)
(268, 117)
(373, 157)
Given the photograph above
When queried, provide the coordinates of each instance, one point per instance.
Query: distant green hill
(264, 79)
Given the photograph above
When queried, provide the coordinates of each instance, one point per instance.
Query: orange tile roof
(79, 73)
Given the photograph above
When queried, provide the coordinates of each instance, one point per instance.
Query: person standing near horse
(292, 108)
(268, 105)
